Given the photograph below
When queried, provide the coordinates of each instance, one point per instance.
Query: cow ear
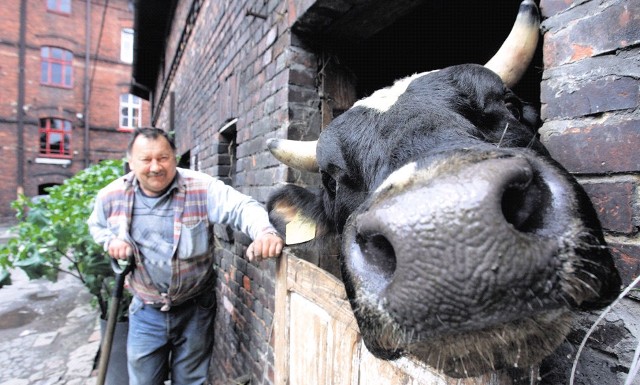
(290, 209)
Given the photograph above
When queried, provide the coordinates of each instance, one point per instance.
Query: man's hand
(119, 249)
(266, 245)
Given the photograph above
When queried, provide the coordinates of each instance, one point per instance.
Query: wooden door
(317, 341)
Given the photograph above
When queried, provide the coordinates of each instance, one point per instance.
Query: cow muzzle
(463, 247)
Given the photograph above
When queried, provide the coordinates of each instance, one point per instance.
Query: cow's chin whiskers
(577, 281)
(518, 344)
(384, 337)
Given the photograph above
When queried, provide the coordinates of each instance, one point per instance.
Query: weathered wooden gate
(317, 341)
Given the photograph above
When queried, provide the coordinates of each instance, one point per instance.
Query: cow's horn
(515, 54)
(300, 155)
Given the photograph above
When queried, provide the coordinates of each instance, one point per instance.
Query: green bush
(52, 235)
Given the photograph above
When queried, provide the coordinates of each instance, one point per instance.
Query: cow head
(462, 243)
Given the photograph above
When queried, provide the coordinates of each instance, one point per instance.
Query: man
(160, 214)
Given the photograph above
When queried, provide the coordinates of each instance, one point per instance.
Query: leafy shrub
(52, 235)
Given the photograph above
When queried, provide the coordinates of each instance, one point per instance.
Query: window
(229, 138)
(126, 45)
(60, 6)
(57, 67)
(55, 137)
(129, 111)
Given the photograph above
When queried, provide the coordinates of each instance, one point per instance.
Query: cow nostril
(378, 252)
(523, 206)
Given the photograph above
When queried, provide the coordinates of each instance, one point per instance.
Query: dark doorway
(42, 189)
(185, 160)
(430, 35)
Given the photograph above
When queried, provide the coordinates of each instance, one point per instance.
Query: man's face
(154, 164)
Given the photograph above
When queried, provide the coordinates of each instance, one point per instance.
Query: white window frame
(130, 116)
(59, 6)
(126, 45)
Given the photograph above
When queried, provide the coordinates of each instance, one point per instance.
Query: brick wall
(111, 77)
(590, 95)
(249, 68)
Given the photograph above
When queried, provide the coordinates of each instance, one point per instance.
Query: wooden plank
(410, 372)
(356, 23)
(309, 350)
(321, 288)
(399, 372)
(338, 86)
(280, 322)
(321, 349)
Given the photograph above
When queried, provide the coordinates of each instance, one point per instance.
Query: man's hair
(150, 133)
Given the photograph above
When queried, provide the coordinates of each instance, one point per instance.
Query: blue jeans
(180, 339)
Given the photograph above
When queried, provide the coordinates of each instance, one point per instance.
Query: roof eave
(152, 20)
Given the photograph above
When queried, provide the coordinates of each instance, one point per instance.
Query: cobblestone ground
(49, 332)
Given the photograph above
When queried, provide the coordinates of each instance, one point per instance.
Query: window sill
(61, 162)
(58, 86)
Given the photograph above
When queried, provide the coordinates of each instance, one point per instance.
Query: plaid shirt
(199, 200)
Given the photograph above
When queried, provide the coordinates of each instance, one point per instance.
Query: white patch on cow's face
(399, 178)
(383, 99)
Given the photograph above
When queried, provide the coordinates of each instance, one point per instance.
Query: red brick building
(65, 70)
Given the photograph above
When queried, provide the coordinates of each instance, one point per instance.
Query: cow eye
(329, 184)
(515, 107)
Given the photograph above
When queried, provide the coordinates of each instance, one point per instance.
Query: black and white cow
(462, 243)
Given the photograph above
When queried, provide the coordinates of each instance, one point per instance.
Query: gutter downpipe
(20, 104)
(87, 86)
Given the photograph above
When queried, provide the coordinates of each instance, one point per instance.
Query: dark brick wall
(111, 77)
(590, 95)
(245, 313)
(249, 68)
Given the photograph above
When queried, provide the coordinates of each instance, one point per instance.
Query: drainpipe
(87, 85)
(20, 103)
